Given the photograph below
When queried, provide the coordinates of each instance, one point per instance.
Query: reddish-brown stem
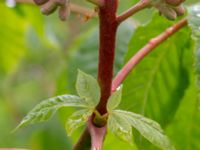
(108, 28)
(97, 135)
(134, 9)
(152, 44)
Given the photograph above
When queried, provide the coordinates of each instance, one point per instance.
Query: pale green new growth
(87, 87)
(77, 119)
(121, 122)
(44, 110)
(148, 128)
(114, 100)
(120, 126)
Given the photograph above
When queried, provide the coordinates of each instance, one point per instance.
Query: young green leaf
(120, 126)
(44, 110)
(114, 100)
(148, 128)
(77, 119)
(87, 87)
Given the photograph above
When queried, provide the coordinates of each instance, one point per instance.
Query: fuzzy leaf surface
(44, 110)
(120, 126)
(114, 100)
(77, 120)
(87, 87)
(148, 128)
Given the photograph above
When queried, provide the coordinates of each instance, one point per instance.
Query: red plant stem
(134, 9)
(108, 28)
(97, 135)
(152, 44)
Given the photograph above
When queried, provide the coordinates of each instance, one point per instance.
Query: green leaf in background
(156, 86)
(47, 108)
(114, 100)
(88, 88)
(12, 48)
(120, 126)
(148, 128)
(184, 131)
(185, 128)
(79, 118)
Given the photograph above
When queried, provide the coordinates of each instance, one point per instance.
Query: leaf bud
(48, 8)
(180, 10)
(174, 2)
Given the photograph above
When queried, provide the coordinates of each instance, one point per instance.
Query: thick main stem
(108, 28)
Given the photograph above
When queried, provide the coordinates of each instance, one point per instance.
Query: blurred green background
(39, 58)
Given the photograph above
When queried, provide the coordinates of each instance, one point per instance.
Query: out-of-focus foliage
(39, 58)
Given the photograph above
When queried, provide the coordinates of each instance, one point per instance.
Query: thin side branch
(152, 44)
(142, 4)
(73, 7)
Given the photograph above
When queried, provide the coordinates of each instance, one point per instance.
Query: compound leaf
(148, 128)
(44, 110)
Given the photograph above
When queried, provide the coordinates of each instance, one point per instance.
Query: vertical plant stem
(108, 28)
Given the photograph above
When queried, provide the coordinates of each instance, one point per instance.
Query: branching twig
(152, 44)
(131, 11)
(73, 7)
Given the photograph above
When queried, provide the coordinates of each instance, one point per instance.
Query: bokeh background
(39, 58)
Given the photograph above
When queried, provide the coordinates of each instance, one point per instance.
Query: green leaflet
(114, 100)
(79, 118)
(44, 110)
(87, 87)
(148, 128)
(121, 122)
(120, 126)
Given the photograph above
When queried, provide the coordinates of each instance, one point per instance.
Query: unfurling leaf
(64, 12)
(169, 13)
(148, 128)
(169, 8)
(44, 110)
(87, 87)
(114, 100)
(77, 119)
(120, 126)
